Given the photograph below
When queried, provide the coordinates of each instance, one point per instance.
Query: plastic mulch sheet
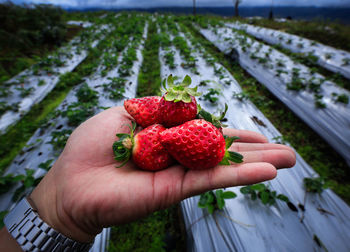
(276, 71)
(39, 149)
(31, 86)
(333, 59)
(247, 225)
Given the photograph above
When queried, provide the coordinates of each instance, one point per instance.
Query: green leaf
(220, 203)
(210, 197)
(170, 80)
(258, 187)
(228, 141)
(223, 113)
(224, 161)
(264, 197)
(235, 157)
(187, 81)
(229, 195)
(245, 190)
(253, 195)
(202, 203)
(186, 98)
(206, 115)
(283, 197)
(170, 96)
(211, 209)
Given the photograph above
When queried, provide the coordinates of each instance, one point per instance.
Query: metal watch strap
(33, 234)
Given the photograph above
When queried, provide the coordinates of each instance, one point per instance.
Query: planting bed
(289, 213)
(101, 90)
(335, 60)
(31, 86)
(242, 225)
(309, 95)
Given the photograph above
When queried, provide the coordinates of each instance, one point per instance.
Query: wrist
(45, 201)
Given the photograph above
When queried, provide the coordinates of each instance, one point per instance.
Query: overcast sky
(157, 3)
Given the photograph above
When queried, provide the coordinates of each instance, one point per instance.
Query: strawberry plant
(28, 181)
(215, 201)
(212, 95)
(59, 139)
(8, 181)
(25, 91)
(263, 193)
(4, 107)
(346, 61)
(46, 165)
(169, 59)
(41, 83)
(343, 98)
(4, 91)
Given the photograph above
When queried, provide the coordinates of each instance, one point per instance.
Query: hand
(84, 191)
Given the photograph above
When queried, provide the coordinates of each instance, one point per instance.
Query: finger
(196, 182)
(246, 135)
(258, 146)
(278, 158)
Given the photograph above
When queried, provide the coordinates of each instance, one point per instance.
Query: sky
(163, 3)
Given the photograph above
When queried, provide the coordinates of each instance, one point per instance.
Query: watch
(33, 234)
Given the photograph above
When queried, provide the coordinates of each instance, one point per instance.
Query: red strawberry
(146, 150)
(144, 110)
(178, 105)
(198, 144)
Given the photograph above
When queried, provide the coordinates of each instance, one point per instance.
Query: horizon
(145, 4)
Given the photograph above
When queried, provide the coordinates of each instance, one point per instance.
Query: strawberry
(198, 145)
(144, 110)
(145, 148)
(178, 104)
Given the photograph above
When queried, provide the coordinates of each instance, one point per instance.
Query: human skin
(84, 191)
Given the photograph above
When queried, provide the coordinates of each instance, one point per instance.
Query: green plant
(4, 107)
(170, 60)
(59, 138)
(215, 201)
(262, 192)
(41, 83)
(4, 91)
(346, 61)
(25, 91)
(8, 181)
(242, 96)
(87, 95)
(28, 181)
(212, 95)
(69, 79)
(46, 165)
(343, 98)
(315, 185)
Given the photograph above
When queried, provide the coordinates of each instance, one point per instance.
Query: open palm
(91, 193)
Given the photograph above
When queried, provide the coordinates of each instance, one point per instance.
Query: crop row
(307, 94)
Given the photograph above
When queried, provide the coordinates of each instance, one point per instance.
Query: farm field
(299, 98)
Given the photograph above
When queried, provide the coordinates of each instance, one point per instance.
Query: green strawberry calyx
(215, 120)
(180, 92)
(230, 155)
(123, 147)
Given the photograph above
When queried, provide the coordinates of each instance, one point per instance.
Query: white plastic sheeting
(333, 59)
(39, 149)
(275, 228)
(332, 123)
(80, 23)
(72, 55)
